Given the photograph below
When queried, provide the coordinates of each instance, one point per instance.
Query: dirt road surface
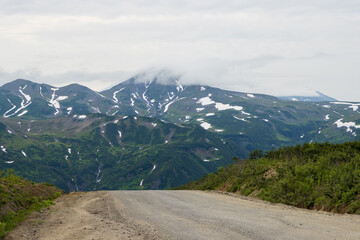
(181, 215)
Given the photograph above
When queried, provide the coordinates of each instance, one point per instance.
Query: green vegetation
(314, 176)
(19, 197)
(103, 152)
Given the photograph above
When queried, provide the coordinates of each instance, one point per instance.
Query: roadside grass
(313, 176)
(19, 197)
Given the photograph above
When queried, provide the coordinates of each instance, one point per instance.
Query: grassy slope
(19, 197)
(314, 176)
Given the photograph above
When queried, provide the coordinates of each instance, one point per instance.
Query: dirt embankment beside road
(92, 215)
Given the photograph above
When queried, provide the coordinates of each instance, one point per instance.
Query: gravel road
(179, 215)
(203, 215)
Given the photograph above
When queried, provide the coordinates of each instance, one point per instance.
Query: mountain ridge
(174, 126)
(241, 116)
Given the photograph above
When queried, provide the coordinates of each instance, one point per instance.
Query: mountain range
(152, 117)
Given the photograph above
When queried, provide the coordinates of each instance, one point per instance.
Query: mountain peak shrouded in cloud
(161, 76)
(278, 47)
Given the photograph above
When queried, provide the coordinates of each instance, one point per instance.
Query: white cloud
(274, 47)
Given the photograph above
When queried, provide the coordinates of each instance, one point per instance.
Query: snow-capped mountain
(126, 131)
(257, 120)
(145, 94)
(29, 99)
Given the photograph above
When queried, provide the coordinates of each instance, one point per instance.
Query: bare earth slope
(180, 215)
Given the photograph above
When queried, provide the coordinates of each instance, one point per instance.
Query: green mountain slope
(96, 151)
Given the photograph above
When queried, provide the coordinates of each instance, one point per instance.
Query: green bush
(315, 176)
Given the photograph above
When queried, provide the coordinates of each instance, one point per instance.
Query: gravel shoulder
(180, 215)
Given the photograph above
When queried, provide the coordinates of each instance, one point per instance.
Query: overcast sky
(275, 47)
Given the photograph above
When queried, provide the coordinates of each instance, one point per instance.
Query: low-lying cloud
(277, 47)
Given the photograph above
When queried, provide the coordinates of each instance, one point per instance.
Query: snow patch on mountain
(205, 101)
(114, 95)
(134, 95)
(27, 97)
(206, 125)
(347, 125)
(98, 178)
(154, 167)
(221, 107)
(241, 119)
(3, 149)
(12, 108)
(353, 106)
(41, 94)
(96, 109)
(23, 153)
(23, 113)
(168, 105)
(55, 102)
(25, 102)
